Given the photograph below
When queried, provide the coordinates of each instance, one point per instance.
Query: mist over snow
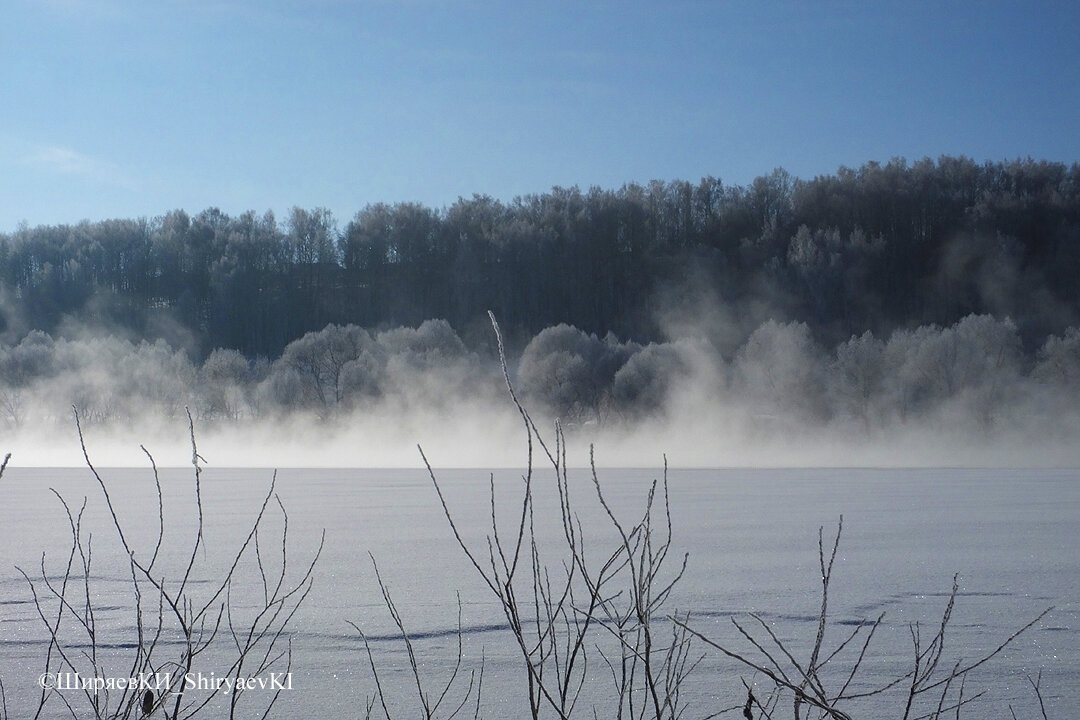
(965, 394)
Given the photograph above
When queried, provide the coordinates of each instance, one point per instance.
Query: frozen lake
(751, 536)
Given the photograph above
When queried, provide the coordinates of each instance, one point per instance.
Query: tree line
(970, 377)
(878, 248)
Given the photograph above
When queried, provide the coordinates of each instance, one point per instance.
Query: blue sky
(129, 108)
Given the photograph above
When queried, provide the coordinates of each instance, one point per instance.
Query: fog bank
(966, 394)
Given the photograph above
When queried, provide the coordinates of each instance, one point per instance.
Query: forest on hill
(876, 248)
(870, 295)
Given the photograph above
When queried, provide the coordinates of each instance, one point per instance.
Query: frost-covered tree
(780, 370)
(21, 366)
(643, 384)
(309, 373)
(154, 379)
(570, 372)
(856, 379)
(1058, 361)
(224, 380)
(975, 362)
(434, 343)
(31, 359)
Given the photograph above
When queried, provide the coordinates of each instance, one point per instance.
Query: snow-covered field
(751, 536)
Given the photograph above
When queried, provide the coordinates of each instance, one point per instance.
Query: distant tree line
(323, 374)
(881, 248)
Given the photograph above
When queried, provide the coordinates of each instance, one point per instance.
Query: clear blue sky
(128, 108)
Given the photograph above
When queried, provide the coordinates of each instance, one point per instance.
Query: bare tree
(559, 612)
(185, 620)
(929, 689)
